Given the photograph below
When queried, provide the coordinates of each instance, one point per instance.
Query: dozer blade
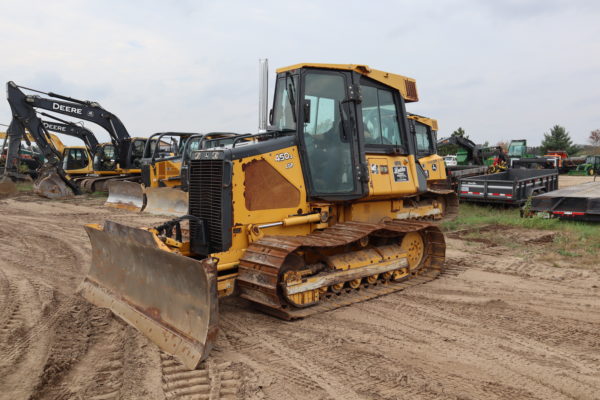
(125, 195)
(170, 298)
(166, 201)
(7, 187)
(49, 184)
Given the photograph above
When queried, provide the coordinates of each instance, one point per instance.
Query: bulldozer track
(261, 265)
(213, 381)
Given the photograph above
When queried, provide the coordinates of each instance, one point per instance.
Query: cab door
(328, 134)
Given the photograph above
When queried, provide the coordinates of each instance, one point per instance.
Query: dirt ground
(494, 326)
(567, 180)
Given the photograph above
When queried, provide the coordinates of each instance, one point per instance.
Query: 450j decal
(283, 156)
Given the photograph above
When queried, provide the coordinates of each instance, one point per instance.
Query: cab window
(283, 111)
(328, 149)
(380, 117)
(423, 138)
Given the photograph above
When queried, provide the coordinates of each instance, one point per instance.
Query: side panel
(285, 162)
(393, 176)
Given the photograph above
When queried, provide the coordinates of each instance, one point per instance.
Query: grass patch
(99, 194)
(25, 186)
(573, 239)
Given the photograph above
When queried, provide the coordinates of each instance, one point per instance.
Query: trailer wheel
(591, 171)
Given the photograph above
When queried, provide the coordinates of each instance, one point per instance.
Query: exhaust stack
(263, 88)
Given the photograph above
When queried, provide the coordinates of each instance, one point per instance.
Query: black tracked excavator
(119, 159)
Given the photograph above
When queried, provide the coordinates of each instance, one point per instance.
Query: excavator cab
(105, 158)
(77, 160)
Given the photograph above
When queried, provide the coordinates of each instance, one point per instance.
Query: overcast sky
(499, 69)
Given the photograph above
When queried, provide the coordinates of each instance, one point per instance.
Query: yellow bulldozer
(329, 206)
(425, 132)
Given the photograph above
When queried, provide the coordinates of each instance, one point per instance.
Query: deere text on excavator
(326, 208)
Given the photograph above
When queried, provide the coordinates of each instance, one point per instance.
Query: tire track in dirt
(211, 381)
(265, 350)
(106, 356)
(522, 345)
(69, 343)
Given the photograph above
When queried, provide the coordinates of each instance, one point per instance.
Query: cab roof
(407, 86)
(425, 121)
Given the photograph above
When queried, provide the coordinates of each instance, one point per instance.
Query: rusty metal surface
(7, 187)
(125, 195)
(50, 185)
(170, 298)
(166, 201)
(260, 267)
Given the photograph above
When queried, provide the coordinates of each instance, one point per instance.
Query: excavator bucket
(170, 298)
(7, 187)
(126, 195)
(166, 201)
(49, 184)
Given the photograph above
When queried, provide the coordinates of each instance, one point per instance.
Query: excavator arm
(53, 181)
(474, 151)
(81, 109)
(73, 130)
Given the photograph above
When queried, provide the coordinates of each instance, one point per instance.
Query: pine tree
(460, 132)
(558, 139)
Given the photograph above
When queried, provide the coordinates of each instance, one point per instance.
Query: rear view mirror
(306, 110)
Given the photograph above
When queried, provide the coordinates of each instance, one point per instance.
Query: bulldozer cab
(425, 132)
(340, 117)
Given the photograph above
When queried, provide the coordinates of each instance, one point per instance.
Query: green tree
(558, 139)
(460, 132)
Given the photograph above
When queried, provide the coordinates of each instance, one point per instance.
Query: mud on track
(492, 326)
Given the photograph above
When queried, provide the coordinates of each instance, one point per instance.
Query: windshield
(283, 112)
(423, 138)
(516, 150)
(104, 159)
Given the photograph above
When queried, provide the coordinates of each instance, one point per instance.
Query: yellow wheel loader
(425, 131)
(326, 208)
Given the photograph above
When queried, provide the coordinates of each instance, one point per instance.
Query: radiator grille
(209, 201)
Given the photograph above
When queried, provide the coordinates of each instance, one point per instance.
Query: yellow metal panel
(434, 167)
(432, 123)
(289, 167)
(398, 179)
(379, 172)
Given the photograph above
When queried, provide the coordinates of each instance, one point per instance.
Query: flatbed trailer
(579, 202)
(456, 172)
(512, 187)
